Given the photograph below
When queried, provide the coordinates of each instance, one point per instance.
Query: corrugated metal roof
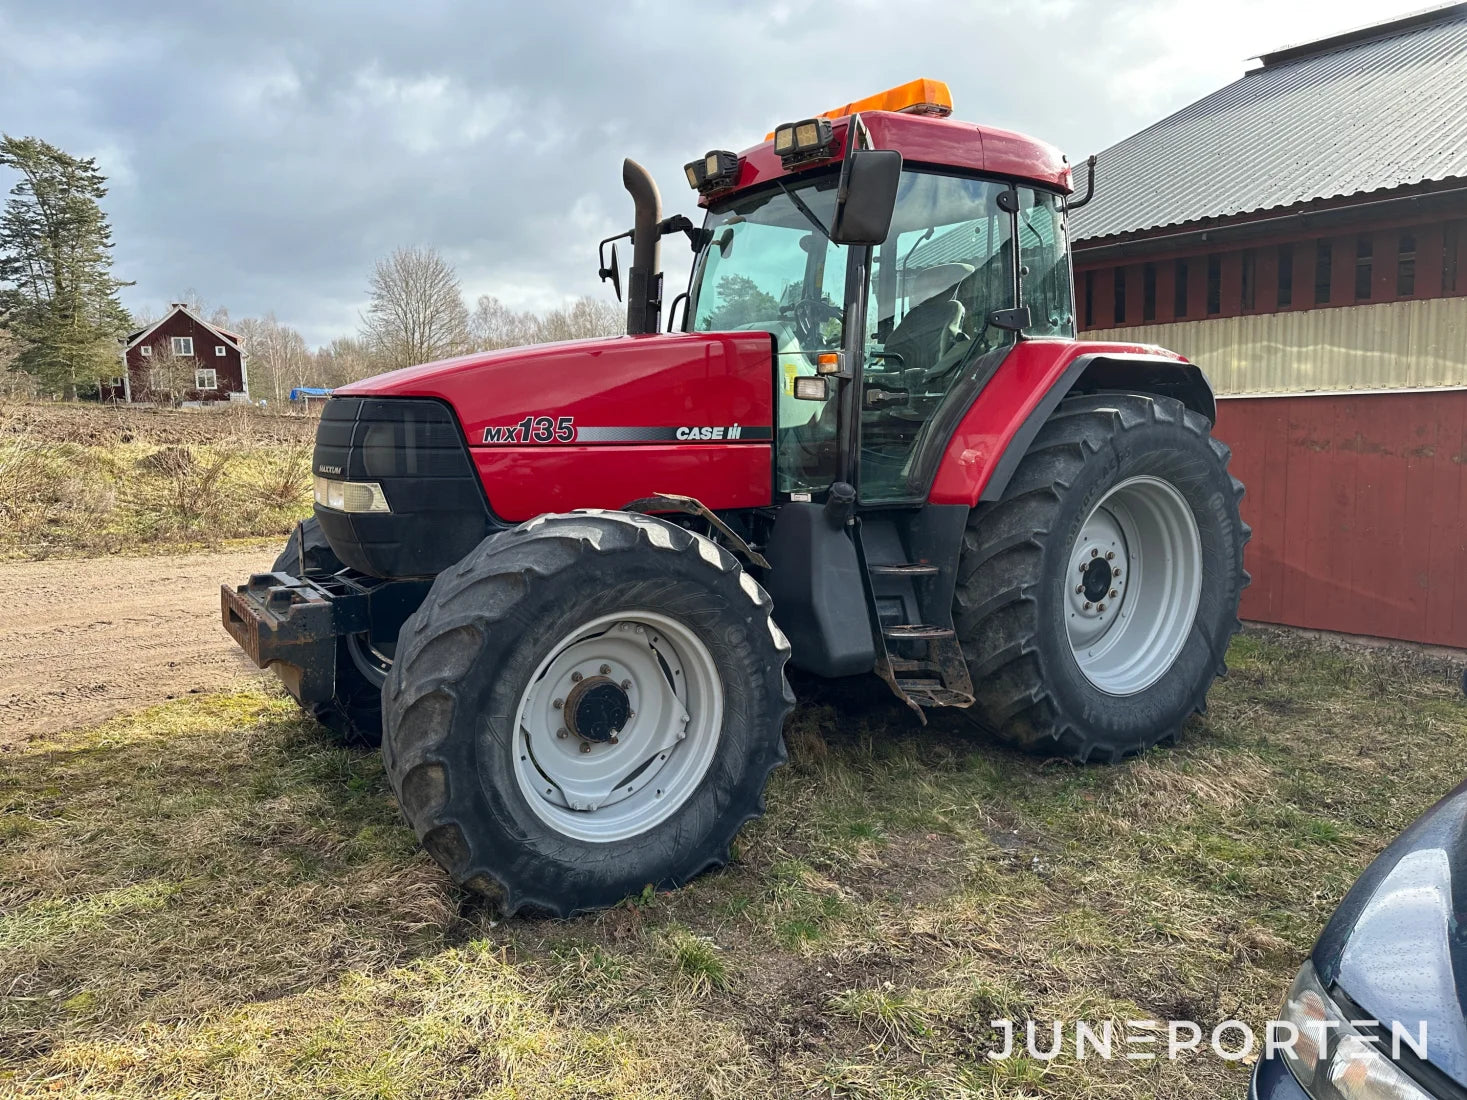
(1360, 116)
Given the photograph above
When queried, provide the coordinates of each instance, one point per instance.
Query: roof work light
(797, 142)
(716, 171)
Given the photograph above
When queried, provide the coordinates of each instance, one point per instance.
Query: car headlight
(350, 496)
(1331, 1059)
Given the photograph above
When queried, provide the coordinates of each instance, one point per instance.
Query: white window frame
(206, 372)
(218, 351)
(116, 383)
(183, 345)
(147, 350)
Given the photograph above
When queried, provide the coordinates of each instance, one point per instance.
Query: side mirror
(613, 272)
(867, 196)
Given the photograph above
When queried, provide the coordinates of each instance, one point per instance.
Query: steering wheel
(809, 314)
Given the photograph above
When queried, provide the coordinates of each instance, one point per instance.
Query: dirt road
(87, 638)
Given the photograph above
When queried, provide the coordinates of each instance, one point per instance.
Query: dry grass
(123, 490)
(210, 899)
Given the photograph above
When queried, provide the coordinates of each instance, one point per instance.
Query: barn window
(1148, 293)
(1323, 260)
(1214, 283)
(116, 383)
(1249, 278)
(1363, 258)
(206, 379)
(183, 345)
(1120, 309)
(1406, 265)
(146, 349)
(219, 351)
(1286, 276)
(1179, 290)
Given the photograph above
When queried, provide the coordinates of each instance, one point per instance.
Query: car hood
(1397, 945)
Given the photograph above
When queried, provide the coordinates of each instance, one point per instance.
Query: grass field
(83, 479)
(210, 898)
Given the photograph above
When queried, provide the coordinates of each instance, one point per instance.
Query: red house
(181, 359)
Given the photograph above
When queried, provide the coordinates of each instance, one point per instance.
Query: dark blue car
(1386, 985)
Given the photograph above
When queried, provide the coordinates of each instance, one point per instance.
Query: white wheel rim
(1132, 585)
(607, 790)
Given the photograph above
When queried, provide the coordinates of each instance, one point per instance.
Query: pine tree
(57, 293)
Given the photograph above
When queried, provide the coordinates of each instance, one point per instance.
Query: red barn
(1301, 234)
(181, 359)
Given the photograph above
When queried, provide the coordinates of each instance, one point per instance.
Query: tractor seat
(934, 325)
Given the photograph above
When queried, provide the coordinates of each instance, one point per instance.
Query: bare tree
(495, 325)
(343, 360)
(169, 377)
(417, 311)
(278, 358)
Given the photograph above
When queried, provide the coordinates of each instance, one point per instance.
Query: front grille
(414, 449)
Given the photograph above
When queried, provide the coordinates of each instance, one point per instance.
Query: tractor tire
(354, 714)
(586, 705)
(1097, 597)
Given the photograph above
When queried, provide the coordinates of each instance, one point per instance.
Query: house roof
(1369, 110)
(136, 337)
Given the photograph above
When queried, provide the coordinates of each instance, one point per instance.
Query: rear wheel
(354, 713)
(586, 705)
(1096, 600)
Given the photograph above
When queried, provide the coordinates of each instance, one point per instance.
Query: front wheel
(586, 705)
(1097, 598)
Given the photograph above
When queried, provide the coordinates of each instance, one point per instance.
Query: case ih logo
(563, 429)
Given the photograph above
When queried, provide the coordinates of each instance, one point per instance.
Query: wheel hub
(597, 709)
(618, 725)
(1133, 585)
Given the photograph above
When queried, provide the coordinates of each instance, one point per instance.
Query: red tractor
(561, 583)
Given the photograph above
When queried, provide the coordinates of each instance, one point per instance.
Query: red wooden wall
(1358, 505)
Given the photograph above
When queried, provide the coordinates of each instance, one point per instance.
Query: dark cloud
(267, 153)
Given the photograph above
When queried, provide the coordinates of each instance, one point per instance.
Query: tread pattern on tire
(996, 602)
(442, 639)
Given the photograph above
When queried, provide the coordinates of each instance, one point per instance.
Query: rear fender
(1035, 377)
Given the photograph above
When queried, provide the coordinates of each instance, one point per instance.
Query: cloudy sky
(265, 153)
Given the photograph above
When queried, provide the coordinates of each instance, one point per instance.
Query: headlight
(1333, 1060)
(350, 496)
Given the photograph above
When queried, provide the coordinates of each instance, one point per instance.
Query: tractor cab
(915, 316)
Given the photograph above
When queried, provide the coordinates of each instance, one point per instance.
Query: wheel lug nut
(559, 703)
(1079, 588)
(585, 746)
(631, 714)
(1094, 553)
(562, 733)
(575, 677)
(605, 670)
(1112, 593)
(1100, 607)
(1116, 574)
(615, 741)
(1110, 555)
(1087, 605)
(625, 684)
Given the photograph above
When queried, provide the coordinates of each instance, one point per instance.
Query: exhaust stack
(644, 281)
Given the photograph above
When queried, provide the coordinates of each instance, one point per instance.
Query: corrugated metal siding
(1377, 114)
(1358, 505)
(1391, 345)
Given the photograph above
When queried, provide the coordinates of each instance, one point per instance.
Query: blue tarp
(300, 393)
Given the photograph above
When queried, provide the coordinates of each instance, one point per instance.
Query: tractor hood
(666, 388)
(1397, 945)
